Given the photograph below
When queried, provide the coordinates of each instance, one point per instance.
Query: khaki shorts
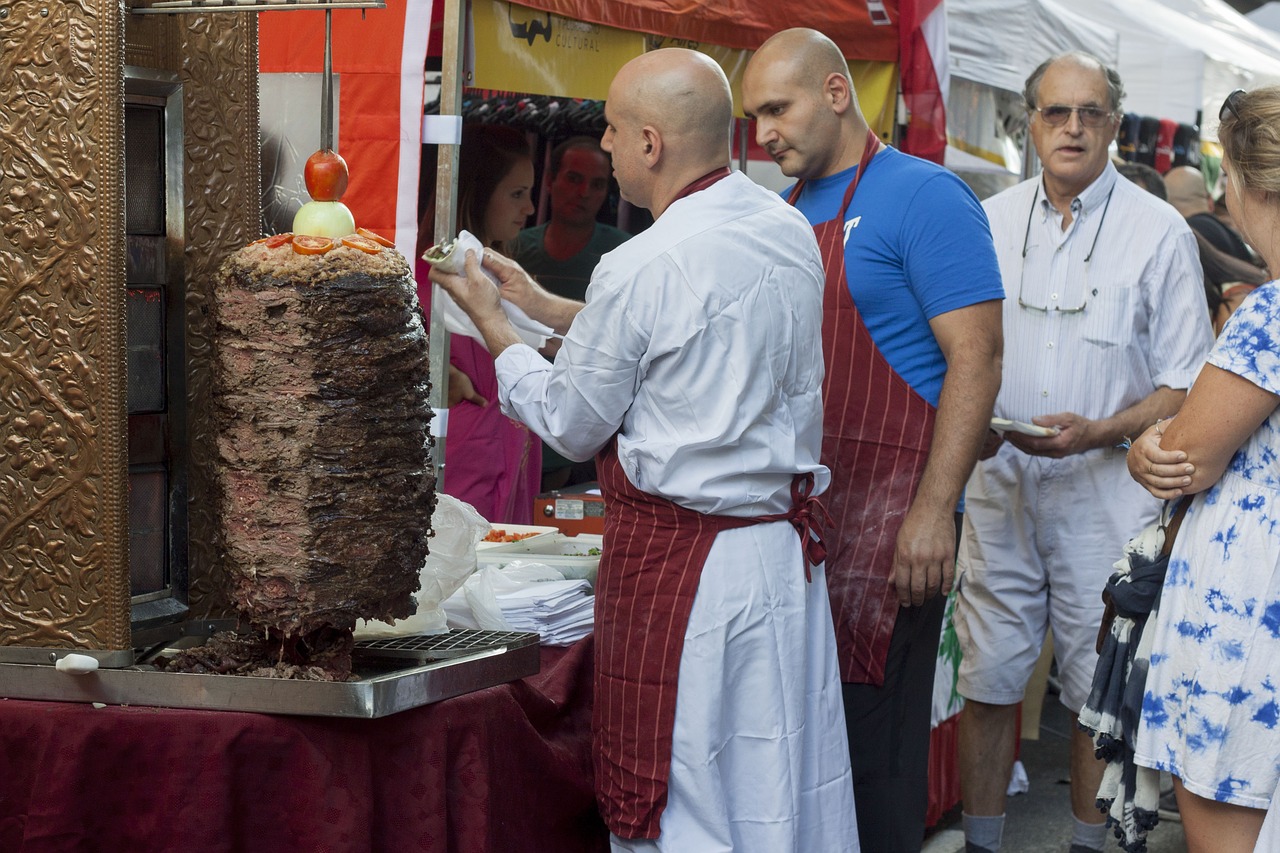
(1039, 541)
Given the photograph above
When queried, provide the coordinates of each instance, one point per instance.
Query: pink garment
(492, 462)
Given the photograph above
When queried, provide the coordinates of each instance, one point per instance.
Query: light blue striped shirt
(1095, 337)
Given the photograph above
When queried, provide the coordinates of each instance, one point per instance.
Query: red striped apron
(876, 435)
(654, 551)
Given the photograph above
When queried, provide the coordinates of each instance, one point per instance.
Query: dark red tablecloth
(506, 769)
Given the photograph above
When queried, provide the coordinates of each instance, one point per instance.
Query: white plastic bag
(452, 559)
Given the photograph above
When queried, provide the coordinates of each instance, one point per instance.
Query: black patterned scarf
(1129, 793)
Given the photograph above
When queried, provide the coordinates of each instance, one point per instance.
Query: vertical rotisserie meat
(325, 484)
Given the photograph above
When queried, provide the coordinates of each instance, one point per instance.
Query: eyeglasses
(1022, 302)
(1229, 106)
(1057, 115)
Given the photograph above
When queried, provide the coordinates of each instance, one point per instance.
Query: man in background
(1106, 325)
(1189, 193)
(562, 252)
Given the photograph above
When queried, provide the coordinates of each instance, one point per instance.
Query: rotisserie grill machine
(77, 580)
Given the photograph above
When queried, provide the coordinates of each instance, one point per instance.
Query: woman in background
(492, 462)
(1211, 710)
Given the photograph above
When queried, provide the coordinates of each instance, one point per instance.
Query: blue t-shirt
(917, 244)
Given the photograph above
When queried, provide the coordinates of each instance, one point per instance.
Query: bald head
(798, 89)
(682, 93)
(1188, 191)
(805, 57)
(668, 120)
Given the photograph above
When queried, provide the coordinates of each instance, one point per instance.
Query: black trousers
(889, 734)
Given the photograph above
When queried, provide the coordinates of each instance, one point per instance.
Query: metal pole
(451, 79)
(326, 86)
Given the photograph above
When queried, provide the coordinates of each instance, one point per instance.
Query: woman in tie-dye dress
(1211, 713)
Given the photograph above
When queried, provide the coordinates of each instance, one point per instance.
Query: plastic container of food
(521, 536)
(573, 556)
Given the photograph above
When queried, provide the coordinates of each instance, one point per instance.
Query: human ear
(838, 92)
(652, 144)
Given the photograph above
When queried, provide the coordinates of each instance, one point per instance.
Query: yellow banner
(877, 86)
(518, 49)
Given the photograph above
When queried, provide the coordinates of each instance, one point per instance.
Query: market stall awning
(864, 29)
(908, 33)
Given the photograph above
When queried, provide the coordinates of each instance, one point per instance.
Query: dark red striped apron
(654, 551)
(876, 434)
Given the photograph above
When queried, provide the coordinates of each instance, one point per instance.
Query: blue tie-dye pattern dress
(1211, 714)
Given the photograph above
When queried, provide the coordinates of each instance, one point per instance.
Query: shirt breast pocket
(1110, 316)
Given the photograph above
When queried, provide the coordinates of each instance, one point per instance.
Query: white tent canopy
(993, 45)
(1267, 16)
(998, 43)
(1179, 58)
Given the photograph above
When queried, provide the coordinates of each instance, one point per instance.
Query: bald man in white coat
(694, 372)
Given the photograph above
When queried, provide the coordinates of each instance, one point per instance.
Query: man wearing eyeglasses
(1105, 328)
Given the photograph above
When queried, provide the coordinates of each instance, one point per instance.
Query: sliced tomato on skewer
(307, 245)
(274, 241)
(374, 236)
(364, 244)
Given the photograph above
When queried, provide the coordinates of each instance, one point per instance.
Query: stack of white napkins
(561, 611)
(524, 596)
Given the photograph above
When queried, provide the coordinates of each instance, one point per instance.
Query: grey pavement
(1039, 821)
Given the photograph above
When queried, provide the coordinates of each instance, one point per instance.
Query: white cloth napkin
(532, 332)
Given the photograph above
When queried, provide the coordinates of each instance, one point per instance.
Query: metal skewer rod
(326, 86)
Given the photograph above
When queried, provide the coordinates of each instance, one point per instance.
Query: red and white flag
(922, 52)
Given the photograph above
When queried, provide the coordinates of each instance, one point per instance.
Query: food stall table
(505, 768)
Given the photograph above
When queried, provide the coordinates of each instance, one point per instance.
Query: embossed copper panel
(63, 509)
(219, 71)
(64, 578)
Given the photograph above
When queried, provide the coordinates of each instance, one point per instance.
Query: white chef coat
(701, 346)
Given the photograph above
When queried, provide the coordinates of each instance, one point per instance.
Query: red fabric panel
(435, 42)
(742, 23)
(369, 40)
(366, 57)
(507, 768)
(1164, 145)
(369, 134)
(944, 771)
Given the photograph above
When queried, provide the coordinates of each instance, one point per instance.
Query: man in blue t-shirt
(913, 343)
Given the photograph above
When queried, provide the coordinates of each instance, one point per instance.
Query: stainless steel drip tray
(394, 675)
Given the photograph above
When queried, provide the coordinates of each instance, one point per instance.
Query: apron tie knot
(807, 515)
